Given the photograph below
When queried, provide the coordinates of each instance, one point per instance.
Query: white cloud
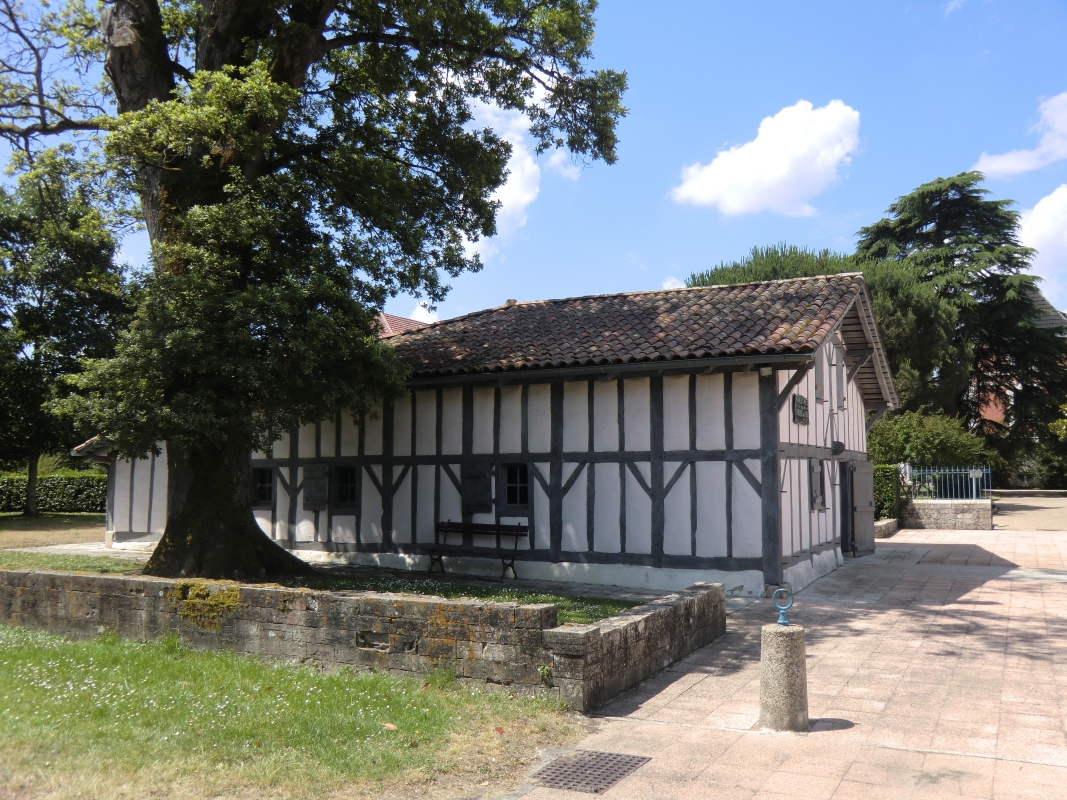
(673, 283)
(561, 163)
(954, 6)
(795, 156)
(422, 313)
(1051, 148)
(1044, 227)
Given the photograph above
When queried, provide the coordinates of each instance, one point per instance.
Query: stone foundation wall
(948, 514)
(517, 647)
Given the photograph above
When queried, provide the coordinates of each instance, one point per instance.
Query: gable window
(347, 485)
(262, 486)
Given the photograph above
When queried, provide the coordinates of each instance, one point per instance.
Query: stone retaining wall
(518, 647)
(965, 515)
(884, 528)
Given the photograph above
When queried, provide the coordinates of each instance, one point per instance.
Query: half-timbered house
(647, 439)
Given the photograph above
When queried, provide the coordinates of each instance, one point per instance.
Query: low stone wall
(518, 647)
(884, 528)
(948, 514)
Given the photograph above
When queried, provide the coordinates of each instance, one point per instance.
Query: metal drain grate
(588, 770)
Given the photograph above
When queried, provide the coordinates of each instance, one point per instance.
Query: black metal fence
(945, 483)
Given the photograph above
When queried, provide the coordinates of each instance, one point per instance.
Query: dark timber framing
(558, 482)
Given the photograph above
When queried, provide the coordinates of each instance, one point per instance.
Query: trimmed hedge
(886, 491)
(68, 493)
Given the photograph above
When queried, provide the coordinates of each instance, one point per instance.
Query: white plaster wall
(542, 535)
(637, 424)
(372, 436)
(371, 516)
(451, 501)
(142, 483)
(746, 411)
(402, 427)
(424, 516)
(123, 473)
(711, 426)
(349, 436)
(540, 408)
(402, 509)
(511, 419)
(606, 509)
(262, 517)
(452, 422)
(306, 446)
(483, 420)
(575, 416)
(605, 416)
(711, 508)
(574, 508)
(280, 448)
(677, 527)
(281, 503)
(329, 438)
(676, 412)
(638, 510)
(344, 529)
(747, 516)
(425, 423)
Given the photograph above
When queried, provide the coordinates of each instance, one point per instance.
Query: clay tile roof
(393, 325)
(775, 317)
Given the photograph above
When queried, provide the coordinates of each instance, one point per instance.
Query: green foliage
(886, 491)
(1050, 464)
(64, 492)
(967, 248)
(929, 440)
(150, 711)
(62, 298)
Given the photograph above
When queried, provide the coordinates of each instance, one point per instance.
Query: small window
(263, 486)
(347, 485)
(516, 485)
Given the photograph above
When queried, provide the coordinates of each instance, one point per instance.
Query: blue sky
(862, 102)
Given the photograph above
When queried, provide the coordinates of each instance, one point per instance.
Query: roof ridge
(641, 293)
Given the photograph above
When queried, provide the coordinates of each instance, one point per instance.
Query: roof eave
(778, 360)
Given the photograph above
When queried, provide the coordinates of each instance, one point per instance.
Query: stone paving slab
(937, 667)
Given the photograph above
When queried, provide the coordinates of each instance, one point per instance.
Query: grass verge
(11, 559)
(111, 717)
(17, 530)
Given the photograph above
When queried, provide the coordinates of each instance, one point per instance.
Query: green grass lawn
(10, 559)
(571, 609)
(90, 715)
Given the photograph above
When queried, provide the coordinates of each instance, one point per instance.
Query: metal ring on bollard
(782, 609)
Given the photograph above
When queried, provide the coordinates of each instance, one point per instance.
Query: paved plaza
(936, 668)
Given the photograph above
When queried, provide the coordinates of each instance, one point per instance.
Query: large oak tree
(297, 163)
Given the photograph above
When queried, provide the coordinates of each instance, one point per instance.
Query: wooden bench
(440, 547)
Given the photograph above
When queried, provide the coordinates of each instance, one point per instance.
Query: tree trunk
(31, 484)
(211, 532)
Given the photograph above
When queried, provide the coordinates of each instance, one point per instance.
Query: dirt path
(48, 529)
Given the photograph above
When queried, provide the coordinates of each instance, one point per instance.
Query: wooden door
(862, 480)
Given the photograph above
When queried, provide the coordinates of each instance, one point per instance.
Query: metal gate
(861, 480)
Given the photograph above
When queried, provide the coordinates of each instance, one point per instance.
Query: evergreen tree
(62, 300)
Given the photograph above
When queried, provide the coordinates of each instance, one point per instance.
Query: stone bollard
(783, 675)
